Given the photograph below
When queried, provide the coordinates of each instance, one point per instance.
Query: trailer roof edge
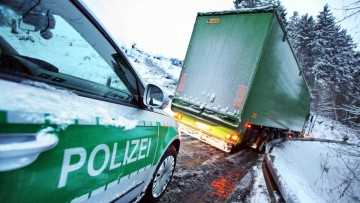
(264, 9)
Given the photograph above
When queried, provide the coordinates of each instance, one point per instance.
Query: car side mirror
(42, 22)
(155, 97)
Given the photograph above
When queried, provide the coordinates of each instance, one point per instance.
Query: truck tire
(247, 137)
(279, 134)
(263, 141)
(273, 134)
(253, 138)
(162, 176)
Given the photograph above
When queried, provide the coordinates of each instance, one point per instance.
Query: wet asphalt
(206, 174)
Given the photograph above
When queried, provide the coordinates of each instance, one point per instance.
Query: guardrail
(287, 194)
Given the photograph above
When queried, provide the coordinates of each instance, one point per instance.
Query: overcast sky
(164, 27)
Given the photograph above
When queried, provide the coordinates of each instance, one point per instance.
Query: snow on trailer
(240, 81)
(315, 170)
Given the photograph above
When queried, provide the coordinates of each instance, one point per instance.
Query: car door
(72, 124)
(73, 159)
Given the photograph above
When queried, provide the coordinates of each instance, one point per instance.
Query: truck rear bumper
(213, 141)
(230, 135)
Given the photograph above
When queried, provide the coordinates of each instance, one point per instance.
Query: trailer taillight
(232, 136)
(247, 125)
(178, 115)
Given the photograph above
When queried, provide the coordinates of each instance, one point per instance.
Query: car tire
(162, 176)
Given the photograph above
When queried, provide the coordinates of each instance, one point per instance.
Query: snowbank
(155, 69)
(317, 171)
(326, 128)
(259, 191)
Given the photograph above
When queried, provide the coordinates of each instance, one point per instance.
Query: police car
(77, 124)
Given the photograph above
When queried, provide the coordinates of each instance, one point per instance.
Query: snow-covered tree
(282, 12)
(304, 34)
(334, 53)
(251, 3)
(329, 63)
(292, 30)
(326, 49)
(353, 106)
(335, 65)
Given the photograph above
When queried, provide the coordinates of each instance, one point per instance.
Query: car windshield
(53, 42)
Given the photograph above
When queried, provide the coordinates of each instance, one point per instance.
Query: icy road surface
(206, 174)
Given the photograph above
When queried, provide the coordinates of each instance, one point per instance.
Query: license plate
(202, 125)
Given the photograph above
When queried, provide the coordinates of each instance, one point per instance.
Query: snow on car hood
(36, 99)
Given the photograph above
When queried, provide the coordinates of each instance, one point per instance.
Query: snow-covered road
(206, 174)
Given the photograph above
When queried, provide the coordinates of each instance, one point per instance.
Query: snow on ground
(259, 192)
(316, 171)
(319, 171)
(153, 69)
(308, 177)
(326, 128)
(319, 175)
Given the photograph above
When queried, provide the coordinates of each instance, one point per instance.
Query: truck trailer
(240, 82)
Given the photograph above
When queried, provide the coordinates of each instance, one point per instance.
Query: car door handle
(20, 150)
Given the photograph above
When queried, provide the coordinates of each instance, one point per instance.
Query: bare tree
(352, 9)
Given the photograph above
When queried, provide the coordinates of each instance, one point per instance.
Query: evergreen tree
(354, 107)
(304, 46)
(292, 30)
(345, 83)
(251, 3)
(282, 13)
(344, 59)
(334, 65)
(325, 49)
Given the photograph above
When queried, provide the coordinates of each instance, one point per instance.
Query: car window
(55, 47)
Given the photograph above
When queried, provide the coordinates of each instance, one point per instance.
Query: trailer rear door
(222, 57)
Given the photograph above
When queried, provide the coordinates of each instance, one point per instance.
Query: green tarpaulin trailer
(241, 81)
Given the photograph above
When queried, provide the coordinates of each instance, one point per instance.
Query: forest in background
(327, 57)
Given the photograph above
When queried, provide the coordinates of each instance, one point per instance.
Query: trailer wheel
(273, 134)
(247, 137)
(253, 139)
(263, 141)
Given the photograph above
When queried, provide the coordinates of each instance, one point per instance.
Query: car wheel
(162, 176)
